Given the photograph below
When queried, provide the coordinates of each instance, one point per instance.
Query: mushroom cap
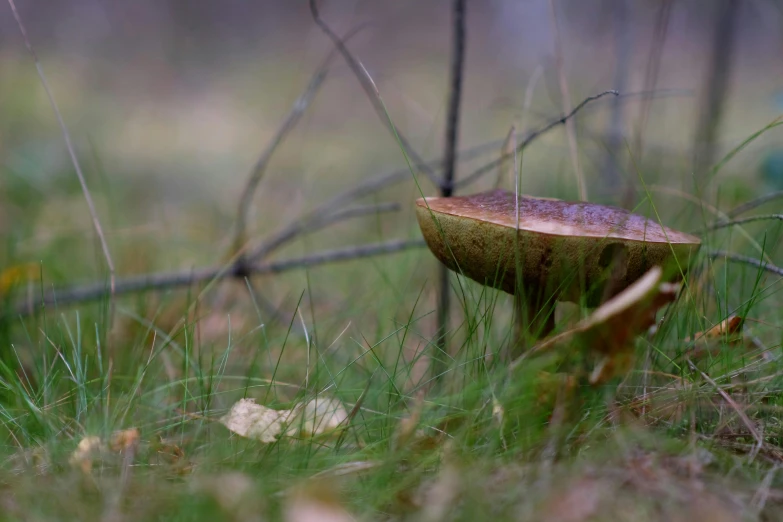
(566, 249)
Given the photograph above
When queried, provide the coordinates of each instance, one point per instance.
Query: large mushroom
(563, 251)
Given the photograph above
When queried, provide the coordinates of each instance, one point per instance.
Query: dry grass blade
(71, 151)
(731, 402)
(371, 91)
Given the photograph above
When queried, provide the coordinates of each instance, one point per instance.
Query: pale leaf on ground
(254, 421)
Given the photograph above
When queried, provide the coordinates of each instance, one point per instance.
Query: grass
(675, 439)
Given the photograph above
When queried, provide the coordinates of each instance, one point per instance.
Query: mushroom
(565, 251)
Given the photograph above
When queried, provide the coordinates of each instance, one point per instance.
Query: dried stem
(450, 162)
(71, 151)
(755, 203)
(742, 221)
(566, 96)
(161, 281)
(297, 110)
(481, 171)
(246, 199)
(737, 258)
(368, 86)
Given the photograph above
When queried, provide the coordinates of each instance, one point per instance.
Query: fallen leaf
(254, 421)
(319, 416)
(729, 329)
(88, 449)
(124, 440)
(17, 274)
(609, 332)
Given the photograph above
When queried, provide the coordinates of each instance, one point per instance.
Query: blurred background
(171, 102)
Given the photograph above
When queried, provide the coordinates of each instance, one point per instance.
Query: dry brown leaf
(124, 440)
(609, 332)
(16, 275)
(705, 342)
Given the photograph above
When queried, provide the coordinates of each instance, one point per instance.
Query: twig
(455, 95)
(297, 110)
(299, 107)
(161, 281)
(478, 173)
(312, 223)
(71, 152)
(728, 256)
(369, 89)
(365, 188)
(450, 162)
(750, 205)
(725, 224)
(566, 96)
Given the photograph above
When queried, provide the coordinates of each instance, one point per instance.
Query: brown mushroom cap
(564, 246)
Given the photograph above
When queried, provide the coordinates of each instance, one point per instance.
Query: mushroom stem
(534, 320)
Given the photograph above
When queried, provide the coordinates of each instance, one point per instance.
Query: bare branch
(300, 106)
(161, 281)
(297, 110)
(728, 256)
(370, 90)
(450, 161)
(475, 175)
(742, 221)
(755, 203)
(71, 151)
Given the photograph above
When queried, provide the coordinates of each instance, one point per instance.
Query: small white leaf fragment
(254, 421)
(316, 417)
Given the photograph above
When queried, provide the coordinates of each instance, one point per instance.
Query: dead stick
(369, 89)
(161, 281)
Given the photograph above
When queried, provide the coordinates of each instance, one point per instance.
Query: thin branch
(161, 281)
(368, 86)
(737, 258)
(475, 175)
(71, 151)
(365, 188)
(755, 203)
(455, 95)
(450, 161)
(298, 109)
(313, 222)
(566, 96)
(726, 224)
